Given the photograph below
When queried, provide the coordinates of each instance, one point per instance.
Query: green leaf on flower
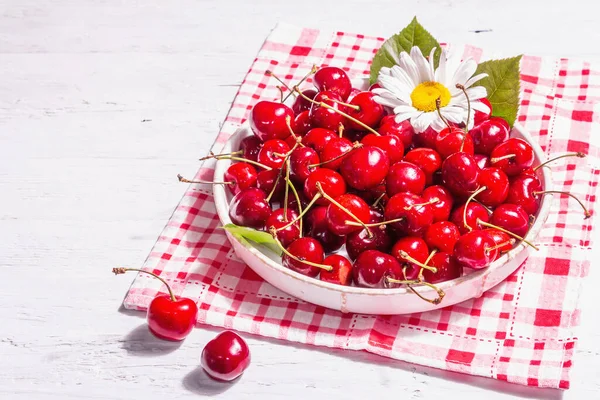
(244, 234)
(413, 35)
(503, 86)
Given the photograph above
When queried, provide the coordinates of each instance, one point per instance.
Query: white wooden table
(102, 103)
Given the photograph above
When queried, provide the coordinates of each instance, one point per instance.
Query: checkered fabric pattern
(521, 331)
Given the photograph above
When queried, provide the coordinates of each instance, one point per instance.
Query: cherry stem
(280, 93)
(312, 71)
(432, 201)
(308, 206)
(499, 245)
(439, 291)
(343, 114)
(119, 271)
(341, 129)
(213, 155)
(228, 157)
(322, 266)
(379, 199)
(487, 224)
(356, 145)
(287, 189)
(496, 159)
(375, 224)
(420, 277)
(298, 139)
(352, 106)
(438, 103)
(578, 154)
(344, 209)
(585, 210)
(484, 206)
(407, 257)
(270, 73)
(184, 180)
(471, 197)
(293, 188)
(272, 192)
(461, 87)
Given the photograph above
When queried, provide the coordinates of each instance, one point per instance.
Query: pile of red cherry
(336, 169)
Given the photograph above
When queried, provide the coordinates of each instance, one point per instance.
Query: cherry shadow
(198, 382)
(140, 342)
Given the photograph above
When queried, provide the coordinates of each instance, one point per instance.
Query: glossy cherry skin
(268, 120)
(317, 138)
(306, 249)
(372, 268)
(243, 176)
(405, 177)
(450, 141)
(333, 79)
(511, 217)
(324, 117)
(225, 357)
(473, 250)
(251, 145)
(403, 130)
(333, 149)
(171, 320)
(479, 116)
(475, 212)
(341, 273)
(501, 238)
(522, 191)
(482, 161)
(266, 180)
(301, 104)
(415, 219)
(331, 182)
(390, 144)
(303, 161)
(427, 159)
(496, 183)
(316, 227)
(447, 268)
(288, 235)
(250, 208)
(336, 217)
(365, 168)
(489, 134)
(460, 173)
(427, 138)
(443, 206)
(522, 160)
(268, 153)
(416, 248)
(302, 124)
(360, 241)
(369, 113)
(442, 236)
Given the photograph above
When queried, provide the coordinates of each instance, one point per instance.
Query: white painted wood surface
(102, 103)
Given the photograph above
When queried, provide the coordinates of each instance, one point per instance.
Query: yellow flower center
(425, 94)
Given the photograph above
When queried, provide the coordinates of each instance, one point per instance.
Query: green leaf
(503, 86)
(244, 234)
(413, 35)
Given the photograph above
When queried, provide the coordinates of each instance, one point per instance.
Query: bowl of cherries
(333, 201)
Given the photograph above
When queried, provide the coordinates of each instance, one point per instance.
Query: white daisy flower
(412, 87)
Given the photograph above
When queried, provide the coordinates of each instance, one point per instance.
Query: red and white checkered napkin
(522, 331)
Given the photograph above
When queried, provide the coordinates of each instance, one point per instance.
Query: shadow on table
(198, 382)
(141, 342)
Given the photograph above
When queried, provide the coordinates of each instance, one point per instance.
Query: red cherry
(427, 159)
(447, 268)
(266, 181)
(403, 130)
(511, 217)
(360, 241)
(316, 227)
(337, 217)
(501, 239)
(243, 176)
(413, 211)
(301, 104)
(475, 212)
(459, 174)
(479, 116)
(302, 124)
(365, 168)
(374, 86)
(512, 156)
(496, 183)
(250, 208)
(303, 161)
(489, 134)
(369, 112)
(273, 153)
(442, 236)
(323, 117)
(331, 182)
(317, 138)
(405, 177)
(522, 191)
(289, 234)
(450, 141)
(225, 357)
(251, 145)
(482, 161)
(475, 250)
(443, 206)
(333, 79)
(341, 273)
(353, 93)
(305, 249)
(427, 138)
(417, 249)
(390, 144)
(332, 154)
(268, 120)
(372, 269)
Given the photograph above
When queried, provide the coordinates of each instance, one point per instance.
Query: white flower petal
(409, 67)
(394, 87)
(422, 121)
(432, 63)
(464, 71)
(404, 108)
(476, 93)
(405, 82)
(440, 72)
(403, 117)
(474, 79)
(437, 124)
(480, 106)
(422, 65)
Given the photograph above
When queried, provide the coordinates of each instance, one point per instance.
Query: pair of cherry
(172, 318)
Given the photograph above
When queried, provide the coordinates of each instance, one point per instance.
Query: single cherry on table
(225, 357)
